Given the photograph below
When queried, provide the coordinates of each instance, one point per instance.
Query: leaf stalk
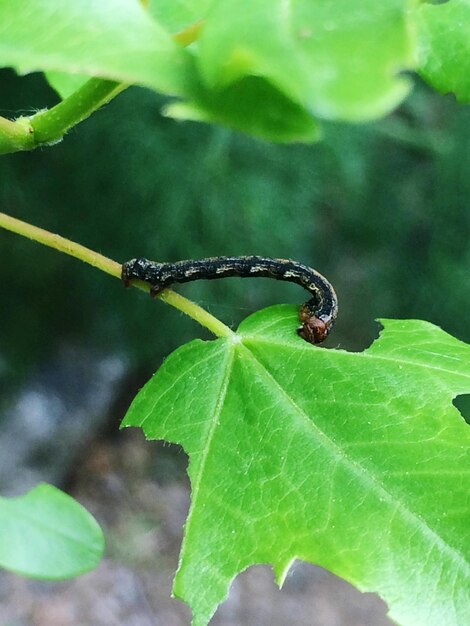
(113, 268)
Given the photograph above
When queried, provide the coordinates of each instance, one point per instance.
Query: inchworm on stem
(317, 315)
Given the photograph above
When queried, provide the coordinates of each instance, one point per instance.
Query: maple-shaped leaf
(357, 462)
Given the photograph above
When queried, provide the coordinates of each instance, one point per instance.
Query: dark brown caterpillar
(317, 315)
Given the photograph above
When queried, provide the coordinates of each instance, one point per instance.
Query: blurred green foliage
(380, 209)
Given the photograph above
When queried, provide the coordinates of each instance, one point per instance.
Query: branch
(113, 268)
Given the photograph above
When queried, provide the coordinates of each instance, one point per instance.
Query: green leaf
(253, 106)
(357, 462)
(173, 15)
(65, 84)
(337, 59)
(444, 51)
(176, 15)
(48, 534)
(267, 70)
(114, 39)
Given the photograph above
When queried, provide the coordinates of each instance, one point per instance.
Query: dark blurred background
(380, 209)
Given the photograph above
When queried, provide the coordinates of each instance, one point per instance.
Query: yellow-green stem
(114, 269)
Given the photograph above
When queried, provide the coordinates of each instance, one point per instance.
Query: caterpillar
(317, 315)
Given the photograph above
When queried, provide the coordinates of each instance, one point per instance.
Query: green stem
(114, 269)
(51, 125)
(15, 136)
